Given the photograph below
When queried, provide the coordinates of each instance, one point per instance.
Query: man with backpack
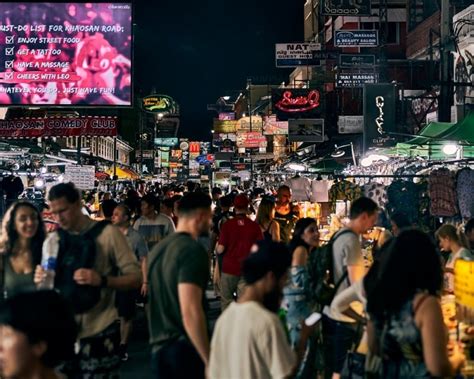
(347, 267)
(89, 255)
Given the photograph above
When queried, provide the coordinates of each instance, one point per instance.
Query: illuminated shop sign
(296, 103)
(160, 104)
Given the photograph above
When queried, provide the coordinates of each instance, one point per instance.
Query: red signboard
(58, 127)
(296, 103)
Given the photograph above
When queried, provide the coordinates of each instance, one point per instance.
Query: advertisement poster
(59, 127)
(296, 54)
(379, 115)
(361, 38)
(306, 130)
(273, 127)
(184, 147)
(346, 8)
(65, 54)
(296, 103)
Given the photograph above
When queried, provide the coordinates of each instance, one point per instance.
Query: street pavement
(138, 364)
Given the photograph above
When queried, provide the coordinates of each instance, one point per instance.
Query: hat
(270, 256)
(241, 201)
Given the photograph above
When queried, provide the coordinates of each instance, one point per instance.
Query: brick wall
(419, 38)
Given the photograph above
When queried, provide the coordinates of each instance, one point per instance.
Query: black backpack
(75, 252)
(321, 272)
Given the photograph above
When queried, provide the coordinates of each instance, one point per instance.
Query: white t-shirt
(249, 342)
(154, 230)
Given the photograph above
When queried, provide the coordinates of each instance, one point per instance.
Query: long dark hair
(300, 227)
(410, 264)
(10, 235)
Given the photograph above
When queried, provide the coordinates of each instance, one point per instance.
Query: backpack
(321, 272)
(75, 252)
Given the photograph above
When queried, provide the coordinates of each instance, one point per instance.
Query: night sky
(195, 51)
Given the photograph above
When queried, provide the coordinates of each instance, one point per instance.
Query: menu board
(83, 177)
(65, 54)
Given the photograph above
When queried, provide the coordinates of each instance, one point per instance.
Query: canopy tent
(123, 173)
(435, 135)
(326, 166)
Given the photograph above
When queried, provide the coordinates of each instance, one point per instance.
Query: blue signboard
(361, 38)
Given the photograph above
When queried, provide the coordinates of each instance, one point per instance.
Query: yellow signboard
(464, 283)
(225, 126)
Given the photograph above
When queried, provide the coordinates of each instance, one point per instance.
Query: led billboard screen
(64, 54)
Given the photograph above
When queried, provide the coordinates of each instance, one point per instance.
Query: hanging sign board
(296, 54)
(345, 8)
(247, 124)
(58, 127)
(83, 177)
(296, 103)
(379, 115)
(355, 80)
(224, 126)
(352, 38)
(350, 124)
(356, 60)
(170, 142)
(159, 104)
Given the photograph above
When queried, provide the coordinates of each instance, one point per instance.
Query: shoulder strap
(340, 233)
(97, 229)
(420, 302)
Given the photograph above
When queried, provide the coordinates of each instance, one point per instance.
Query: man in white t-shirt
(249, 340)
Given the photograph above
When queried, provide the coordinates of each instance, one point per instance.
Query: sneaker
(123, 353)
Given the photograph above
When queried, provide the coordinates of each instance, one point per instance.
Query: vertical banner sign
(346, 8)
(184, 146)
(379, 115)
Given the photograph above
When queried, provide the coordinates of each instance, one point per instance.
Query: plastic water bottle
(48, 263)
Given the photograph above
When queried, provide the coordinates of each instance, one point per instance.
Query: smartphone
(312, 319)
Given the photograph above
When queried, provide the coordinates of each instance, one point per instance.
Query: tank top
(267, 235)
(14, 282)
(287, 223)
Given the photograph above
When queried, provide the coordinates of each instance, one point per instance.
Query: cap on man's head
(270, 256)
(241, 201)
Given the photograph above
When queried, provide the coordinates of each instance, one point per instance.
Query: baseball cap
(241, 201)
(270, 256)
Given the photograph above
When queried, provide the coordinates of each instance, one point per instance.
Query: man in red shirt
(236, 238)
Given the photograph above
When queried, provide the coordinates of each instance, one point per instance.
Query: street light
(450, 149)
(338, 152)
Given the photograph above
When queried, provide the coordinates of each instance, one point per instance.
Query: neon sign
(297, 104)
(380, 102)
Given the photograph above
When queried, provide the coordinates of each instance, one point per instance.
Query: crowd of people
(292, 305)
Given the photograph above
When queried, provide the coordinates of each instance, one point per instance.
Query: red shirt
(237, 235)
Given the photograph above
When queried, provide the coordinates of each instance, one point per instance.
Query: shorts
(338, 338)
(98, 356)
(125, 303)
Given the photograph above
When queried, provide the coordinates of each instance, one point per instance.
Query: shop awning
(123, 173)
(430, 132)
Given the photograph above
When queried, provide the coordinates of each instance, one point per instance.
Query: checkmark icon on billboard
(8, 64)
(9, 75)
(10, 39)
(9, 51)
